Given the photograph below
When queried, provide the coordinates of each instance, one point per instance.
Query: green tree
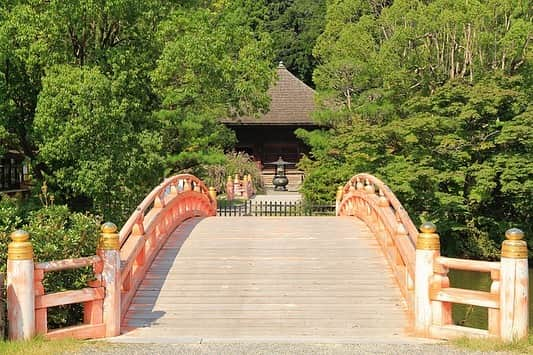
(104, 95)
(95, 151)
(212, 65)
(295, 26)
(434, 97)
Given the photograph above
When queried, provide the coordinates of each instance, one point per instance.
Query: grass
(39, 346)
(493, 345)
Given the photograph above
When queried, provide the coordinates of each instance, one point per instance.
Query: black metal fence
(272, 208)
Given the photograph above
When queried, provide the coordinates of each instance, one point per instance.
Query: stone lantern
(280, 180)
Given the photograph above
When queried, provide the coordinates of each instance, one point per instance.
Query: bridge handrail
(68, 264)
(91, 297)
(391, 197)
(422, 273)
(172, 182)
(176, 199)
(119, 265)
(468, 265)
(368, 198)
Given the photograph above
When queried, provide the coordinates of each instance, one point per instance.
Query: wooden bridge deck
(268, 277)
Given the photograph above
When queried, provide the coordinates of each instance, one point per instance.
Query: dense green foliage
(106, 97)
(56, 233)
(434, 97)
(228, 74)
(295, 26)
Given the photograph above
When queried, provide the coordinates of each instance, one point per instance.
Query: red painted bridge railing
(123, 258)
(422, 273)
(119, 265)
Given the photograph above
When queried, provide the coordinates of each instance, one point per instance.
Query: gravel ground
(278, 349)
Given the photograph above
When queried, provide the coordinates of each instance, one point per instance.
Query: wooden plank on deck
(268, 277)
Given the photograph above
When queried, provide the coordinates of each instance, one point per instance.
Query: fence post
(20, 287)
(514, 287)
(109, 250)
(427, 249)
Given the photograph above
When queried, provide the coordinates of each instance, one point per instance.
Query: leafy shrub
(10, 219)
(56, 233)
(216, 175)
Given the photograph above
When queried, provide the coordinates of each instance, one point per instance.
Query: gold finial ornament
(237, 179)
(369, 188)
(340, 193)
(20, 248)
(400, 230)
(428, 239)
(359, 185)
(213, 193)
(383, 200)
(109, 238)
(514, 247)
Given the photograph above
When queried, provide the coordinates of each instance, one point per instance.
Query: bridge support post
(109, 250)
(514, 320)
(20, 287)
(427, 249)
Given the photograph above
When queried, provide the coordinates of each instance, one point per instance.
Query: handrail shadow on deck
(144, 313)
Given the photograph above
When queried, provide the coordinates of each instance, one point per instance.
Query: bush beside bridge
(56, 233)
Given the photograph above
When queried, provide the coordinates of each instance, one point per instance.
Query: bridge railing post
(427, 250)
(245, 191)
(338, 199)
(20, 287)
(514, 281)
(229, 189)
(213, 195)
(109, 251)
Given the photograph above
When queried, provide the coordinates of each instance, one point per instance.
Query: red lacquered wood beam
(69, 297)
(467, 265)
(86, 331)
(65, 264)
(469, 297)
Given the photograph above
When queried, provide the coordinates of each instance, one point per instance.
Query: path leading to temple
(318, 279)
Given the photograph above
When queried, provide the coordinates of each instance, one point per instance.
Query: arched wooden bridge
(176, 271)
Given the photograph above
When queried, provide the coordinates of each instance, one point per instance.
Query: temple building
(271, 136)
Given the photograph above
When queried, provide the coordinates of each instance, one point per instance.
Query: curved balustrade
(91, 297)
(119, 265)
(176, 199)
(122, 260)
(368, 198)
(422, 273)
